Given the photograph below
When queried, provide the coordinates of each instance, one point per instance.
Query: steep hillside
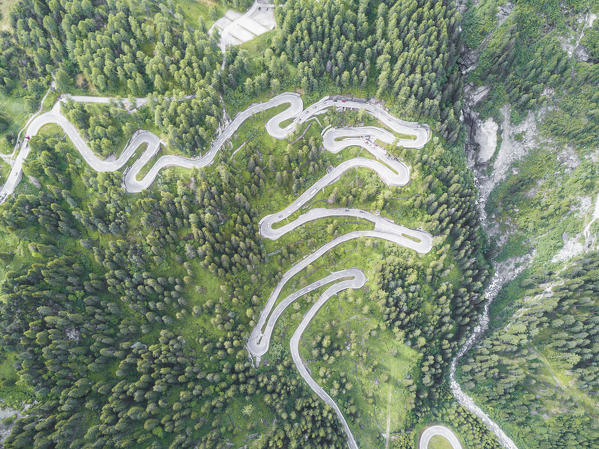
(531, 107)
(127, 307)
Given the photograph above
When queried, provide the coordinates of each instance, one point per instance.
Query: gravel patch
(569, 158)
(582, 241)
(511, 150)
(7, 412)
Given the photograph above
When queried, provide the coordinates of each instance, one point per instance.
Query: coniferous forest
(125, 317)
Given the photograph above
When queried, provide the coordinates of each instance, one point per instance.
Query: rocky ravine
(482, 152)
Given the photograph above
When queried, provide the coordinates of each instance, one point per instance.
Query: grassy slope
(4, 170)
(5, 8)
(379, 368)
(207, 9)
(12, 391)
(439, 442)
(352, 317)
(16, 110)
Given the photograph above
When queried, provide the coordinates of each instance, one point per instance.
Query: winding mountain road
(391, 170)
(357, 281)
(295, 112)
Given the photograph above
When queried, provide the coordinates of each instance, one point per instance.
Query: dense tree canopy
(126, 315)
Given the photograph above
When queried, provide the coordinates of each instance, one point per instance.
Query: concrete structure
(236, 28)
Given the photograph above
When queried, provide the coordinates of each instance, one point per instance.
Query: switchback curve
(438, 430)
(392, 172)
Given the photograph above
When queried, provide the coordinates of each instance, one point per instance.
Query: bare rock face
(503, 12)
(571, 43)
(516, 142)
(474, 96)
(482, 139)
(568, 158)
(581, 53)
(468, 61)
(486, 138)
(482, 145)
(5, 427)
(462, 5)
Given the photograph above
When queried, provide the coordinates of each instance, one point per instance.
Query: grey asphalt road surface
(295, 112)
(442, 431)
(391, 170)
